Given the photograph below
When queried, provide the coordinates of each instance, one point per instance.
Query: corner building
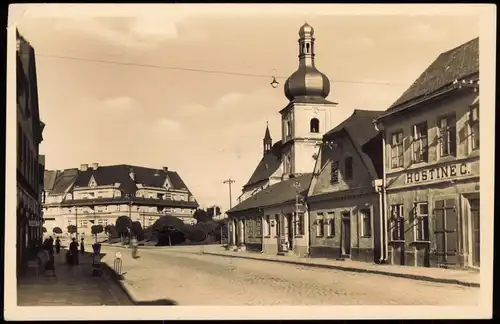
(431, 147)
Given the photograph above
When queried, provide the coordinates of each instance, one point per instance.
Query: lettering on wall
(438, 173)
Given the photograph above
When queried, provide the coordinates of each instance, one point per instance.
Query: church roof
(457, 63)
(267, 165)
(279, 193)
(359, 126)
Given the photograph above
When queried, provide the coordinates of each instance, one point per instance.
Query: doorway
(289, 223)
(475, 220)
(346, 234)
(446, 232)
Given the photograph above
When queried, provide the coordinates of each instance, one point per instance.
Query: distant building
(304, 120)
(29, 162)
(431, 136)
(344, 199)
(96, 194)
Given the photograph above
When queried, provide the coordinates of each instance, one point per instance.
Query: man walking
(73, 248)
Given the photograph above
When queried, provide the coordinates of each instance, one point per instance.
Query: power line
(205, 71)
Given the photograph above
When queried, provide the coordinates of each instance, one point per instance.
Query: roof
(64, 180)
(136, 200)
(455, 64)
(49, 179)
(267, 165)
(267, 136)
(276, 194)
(111, 174)
(359, 126)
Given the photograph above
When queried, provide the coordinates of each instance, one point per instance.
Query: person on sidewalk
(82, 246)
(58, 245)
(73, 248)
(51, 245)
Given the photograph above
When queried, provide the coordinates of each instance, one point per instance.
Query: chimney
(84, 167)
(95, 166)
(131, 174)
(165, 169)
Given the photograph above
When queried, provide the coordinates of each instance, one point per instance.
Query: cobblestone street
(189, 278)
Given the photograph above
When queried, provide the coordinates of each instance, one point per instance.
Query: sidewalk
(72, 286)
(458, 277)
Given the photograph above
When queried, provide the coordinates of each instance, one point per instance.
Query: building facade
(344, 198)
(29, 163)
(98, 195)
(431, 150)
(305, 119)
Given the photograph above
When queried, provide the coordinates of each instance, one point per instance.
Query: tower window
(288, 128)
(308, 46)
(314, 125)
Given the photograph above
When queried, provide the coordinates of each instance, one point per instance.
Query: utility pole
(76, 220)
(229, 182)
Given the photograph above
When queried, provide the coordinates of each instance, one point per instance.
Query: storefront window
(421, 222)
(397, 223)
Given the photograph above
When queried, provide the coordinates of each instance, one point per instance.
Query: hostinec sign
(438, 173)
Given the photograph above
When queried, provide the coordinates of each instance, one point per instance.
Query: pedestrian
(58, 245)
(51, 245)
(73, 248)
(82, 246)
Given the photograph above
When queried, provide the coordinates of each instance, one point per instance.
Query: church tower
(308, 114)
(267, 141)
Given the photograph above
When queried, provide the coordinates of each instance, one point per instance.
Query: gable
(167, 184)
(344, 150)
(92, 182)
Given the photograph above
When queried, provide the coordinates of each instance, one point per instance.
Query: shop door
(346, 233)
(446, 232)
(474, 212)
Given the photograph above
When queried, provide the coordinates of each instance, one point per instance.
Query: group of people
(73, 250)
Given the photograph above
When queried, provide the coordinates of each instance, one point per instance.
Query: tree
(71, 229)
(96, 229)
(137, 230)
(57, 230)
(169, 230)
(201, 215)
(44, 230)
(122, 225)
(108, 229)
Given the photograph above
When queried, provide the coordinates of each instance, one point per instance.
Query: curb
(117, 279)
(350, 269)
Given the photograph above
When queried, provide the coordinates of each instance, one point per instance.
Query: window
(397, 223)
(348, 168)
(268, 226)
(421, 222)
(335, 172)
(83, 224)
(320, 225)
(447, 133)
(397, 150)
(474, 127)
(300, 223)
(367, 222)
(314, 125)
(420, 143)
(331, 224)
(277, 225)
(288, 128)
(258, 227)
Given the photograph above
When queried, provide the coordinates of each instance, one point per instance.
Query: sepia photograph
(290, 161)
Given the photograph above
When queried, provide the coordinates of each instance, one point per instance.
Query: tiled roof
(457, 63)
(111, 174)
(64, 180)
(276, 194)
(267, 165)
(359, 126)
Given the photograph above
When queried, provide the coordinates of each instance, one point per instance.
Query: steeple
(268, 142)
(307, 81)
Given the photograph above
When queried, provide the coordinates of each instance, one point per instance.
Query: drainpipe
(383, 202)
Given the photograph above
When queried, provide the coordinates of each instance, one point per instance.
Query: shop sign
(445, 172)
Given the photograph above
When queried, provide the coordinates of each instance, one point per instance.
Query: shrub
(137, 230)
(57, 230)
(122, 225)
(44, 230)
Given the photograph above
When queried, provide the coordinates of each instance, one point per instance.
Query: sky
(209, 126)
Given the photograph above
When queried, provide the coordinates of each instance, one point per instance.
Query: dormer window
(92, 182)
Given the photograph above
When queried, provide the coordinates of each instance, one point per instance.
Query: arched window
(314, 125)
(288, 128)
(308, 46)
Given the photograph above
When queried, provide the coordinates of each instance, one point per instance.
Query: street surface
(189, 278)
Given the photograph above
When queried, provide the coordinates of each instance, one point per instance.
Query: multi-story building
(96, 194)
(344, 199)
(29, 168)
(431, 162)
(304, 120)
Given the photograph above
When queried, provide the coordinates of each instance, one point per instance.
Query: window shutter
(453, 140)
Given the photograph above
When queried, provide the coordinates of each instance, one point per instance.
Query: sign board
(440, 172)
